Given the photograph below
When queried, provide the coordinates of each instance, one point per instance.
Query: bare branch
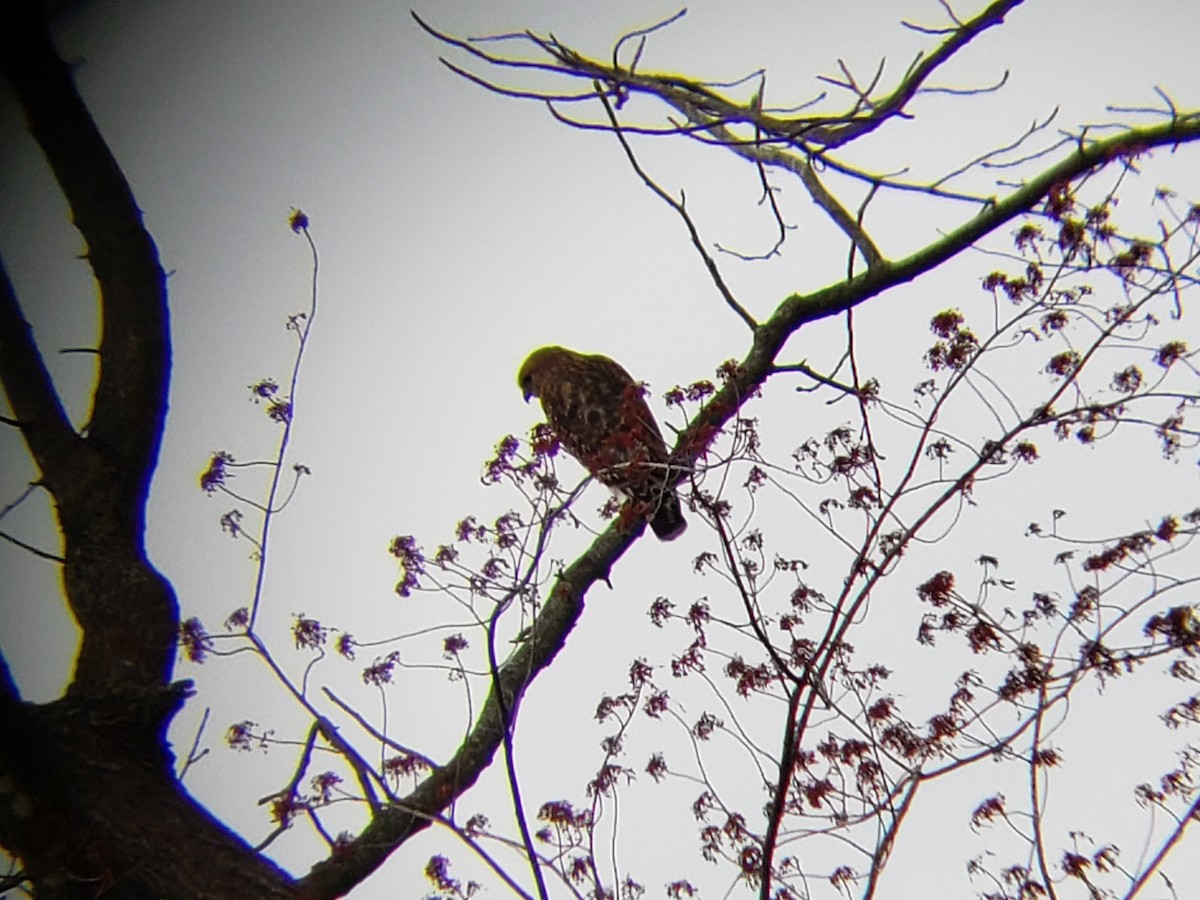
(768, 197)
(195, 754)
(798, 309)
(302, 324)
(987, 159)
(42, 554)
(816, 376)
(468, 46)
(130, 398)
(375, 732)
(513, 92)
(100, 482)
(31, 393)
(394, 824)
(1189, 818)
(642, 33)
(967, 92)
(894, 103)
(678, 206)
(890, 180)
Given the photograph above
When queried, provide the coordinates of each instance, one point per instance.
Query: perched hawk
(599, 415)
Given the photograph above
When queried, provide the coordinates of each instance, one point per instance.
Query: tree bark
(89, 802)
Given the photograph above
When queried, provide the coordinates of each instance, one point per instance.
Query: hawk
(599, 415)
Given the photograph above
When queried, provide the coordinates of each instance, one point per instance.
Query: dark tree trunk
(97, 811)
(89, 804)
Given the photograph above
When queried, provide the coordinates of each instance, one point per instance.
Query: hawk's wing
(600, 416)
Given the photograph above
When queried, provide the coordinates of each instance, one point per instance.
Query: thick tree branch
(107, 817)
(130, 400)
(27, 384)
(799, 309)
(397, 823)
(100, 482)
(92, 805)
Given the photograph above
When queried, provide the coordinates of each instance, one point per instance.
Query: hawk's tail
(668, 522)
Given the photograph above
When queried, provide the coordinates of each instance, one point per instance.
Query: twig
(32, 549)
(21, 498)
(1191, 816)
(816, 376)
(362, 771)
(375, 732)
(286, 794)
(893, 104)
(642, 33)
(679, 208)
(804, 170)
(768, 196)
(302, 332)
(967, 92)
(1035, 800)
(468, 47)
(507, 717)
(985, 159)
(513, 92)
(193, 756)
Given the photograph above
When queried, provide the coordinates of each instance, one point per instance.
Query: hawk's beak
(528, 393)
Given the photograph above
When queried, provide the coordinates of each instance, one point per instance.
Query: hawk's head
(539, 367)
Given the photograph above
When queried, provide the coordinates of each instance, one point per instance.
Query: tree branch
(679, 207)
(789, 142)
(765, 154)
(131, 396)
(30, 390)
(800, 309)
(100, 483)
(836, 135)
(396, 823)
(43, 554)
(716, 109)
(1192, 815)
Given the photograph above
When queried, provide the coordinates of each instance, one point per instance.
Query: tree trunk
(97, 811)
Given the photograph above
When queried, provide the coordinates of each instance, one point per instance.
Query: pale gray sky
(457, 231)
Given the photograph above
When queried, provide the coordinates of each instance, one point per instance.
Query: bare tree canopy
(841, 639)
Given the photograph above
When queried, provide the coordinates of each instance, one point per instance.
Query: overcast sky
(458, 231)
